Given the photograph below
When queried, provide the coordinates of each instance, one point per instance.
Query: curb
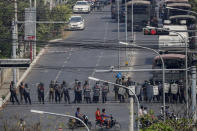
(2, 102)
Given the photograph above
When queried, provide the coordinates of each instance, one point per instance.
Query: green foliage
(44, 31)
(150, 123)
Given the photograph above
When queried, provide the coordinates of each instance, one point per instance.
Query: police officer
(21, 91)
(51, 91)
(96, 92)
(13, 93)
(75, 90)
(181, 92)
(105, 90)
(66, 92)
(79, 93)
(86, 92)
(57, 92)
(27, 94)
(116, 88)
(41, 87)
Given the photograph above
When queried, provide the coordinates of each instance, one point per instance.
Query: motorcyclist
(79, 115)
(98, 115)
(106, 118)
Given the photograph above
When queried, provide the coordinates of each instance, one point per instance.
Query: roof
(177, 27)
(183, 17)
(179, 4)
(138, 2)
(170, 56)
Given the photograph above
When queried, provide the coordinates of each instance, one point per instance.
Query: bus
(141, 14)
(171, 61)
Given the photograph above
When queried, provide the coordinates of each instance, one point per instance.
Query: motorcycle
(73, 123)
(113, 124)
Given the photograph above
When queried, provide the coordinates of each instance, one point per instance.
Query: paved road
(69, 63)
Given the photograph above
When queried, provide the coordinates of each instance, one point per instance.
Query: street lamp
(57, 114)
(138, 103)
(163, 68)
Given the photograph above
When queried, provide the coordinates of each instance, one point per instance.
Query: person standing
(116, 88)
(13, 93)
(57, 93)
(96, 92)
(79, 93)
(86, 92)
(42, 92)
(105, 90)
(66, 92)
(39, 93)
(75, 90)
(27, 94)
(51, 91)
(21, 91)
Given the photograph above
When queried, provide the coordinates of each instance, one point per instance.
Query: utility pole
(131, 115)
(118, 33)
(194, 93)
(15, 39)
(34, 45)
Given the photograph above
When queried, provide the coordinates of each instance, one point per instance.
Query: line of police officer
(150, 91)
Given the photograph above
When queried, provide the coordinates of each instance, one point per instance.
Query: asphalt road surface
(73, 62)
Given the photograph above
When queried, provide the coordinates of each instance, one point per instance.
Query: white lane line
(60, 71)
(101, 53)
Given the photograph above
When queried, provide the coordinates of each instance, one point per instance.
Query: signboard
(133, 90)
(155, 90)
(30, 23)
(14, 63)
(174, 88)
(166, 87)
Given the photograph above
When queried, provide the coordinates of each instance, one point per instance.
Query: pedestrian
(57, 92)
(181, 92)
(41, 93)
(96, 92)
(21, 91)
(105, 91)
(86, 92)
(116, 88)
(51, 91)
(13, 96)
(140, 112)
(66, 92)
(27, 94)
(145, 112)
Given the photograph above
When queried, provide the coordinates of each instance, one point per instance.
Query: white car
(76, 23)
(81, 7)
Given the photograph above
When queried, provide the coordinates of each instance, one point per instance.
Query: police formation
(84, 93)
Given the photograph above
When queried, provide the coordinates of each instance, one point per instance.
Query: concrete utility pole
(118, 33)
(15, 39)
(194, 93)
(131, 127)
(34, 46)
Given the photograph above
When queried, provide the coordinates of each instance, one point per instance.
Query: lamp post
(131, 99)
(163, 69)
(57, 114)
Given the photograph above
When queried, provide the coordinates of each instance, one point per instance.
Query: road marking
(101, 53)
(61, 70)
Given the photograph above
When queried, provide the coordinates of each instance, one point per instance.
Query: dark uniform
(86, 92)
(79, 93)
(66, 92)
(13, 93)
(96, 93)
(57, 93)
(116, 88)
(105, 90)
(41, 92)
(21, 91)
(27, 94)
(51, 91)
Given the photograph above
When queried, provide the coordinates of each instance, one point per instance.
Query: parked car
(76, 23)
(81, 7)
